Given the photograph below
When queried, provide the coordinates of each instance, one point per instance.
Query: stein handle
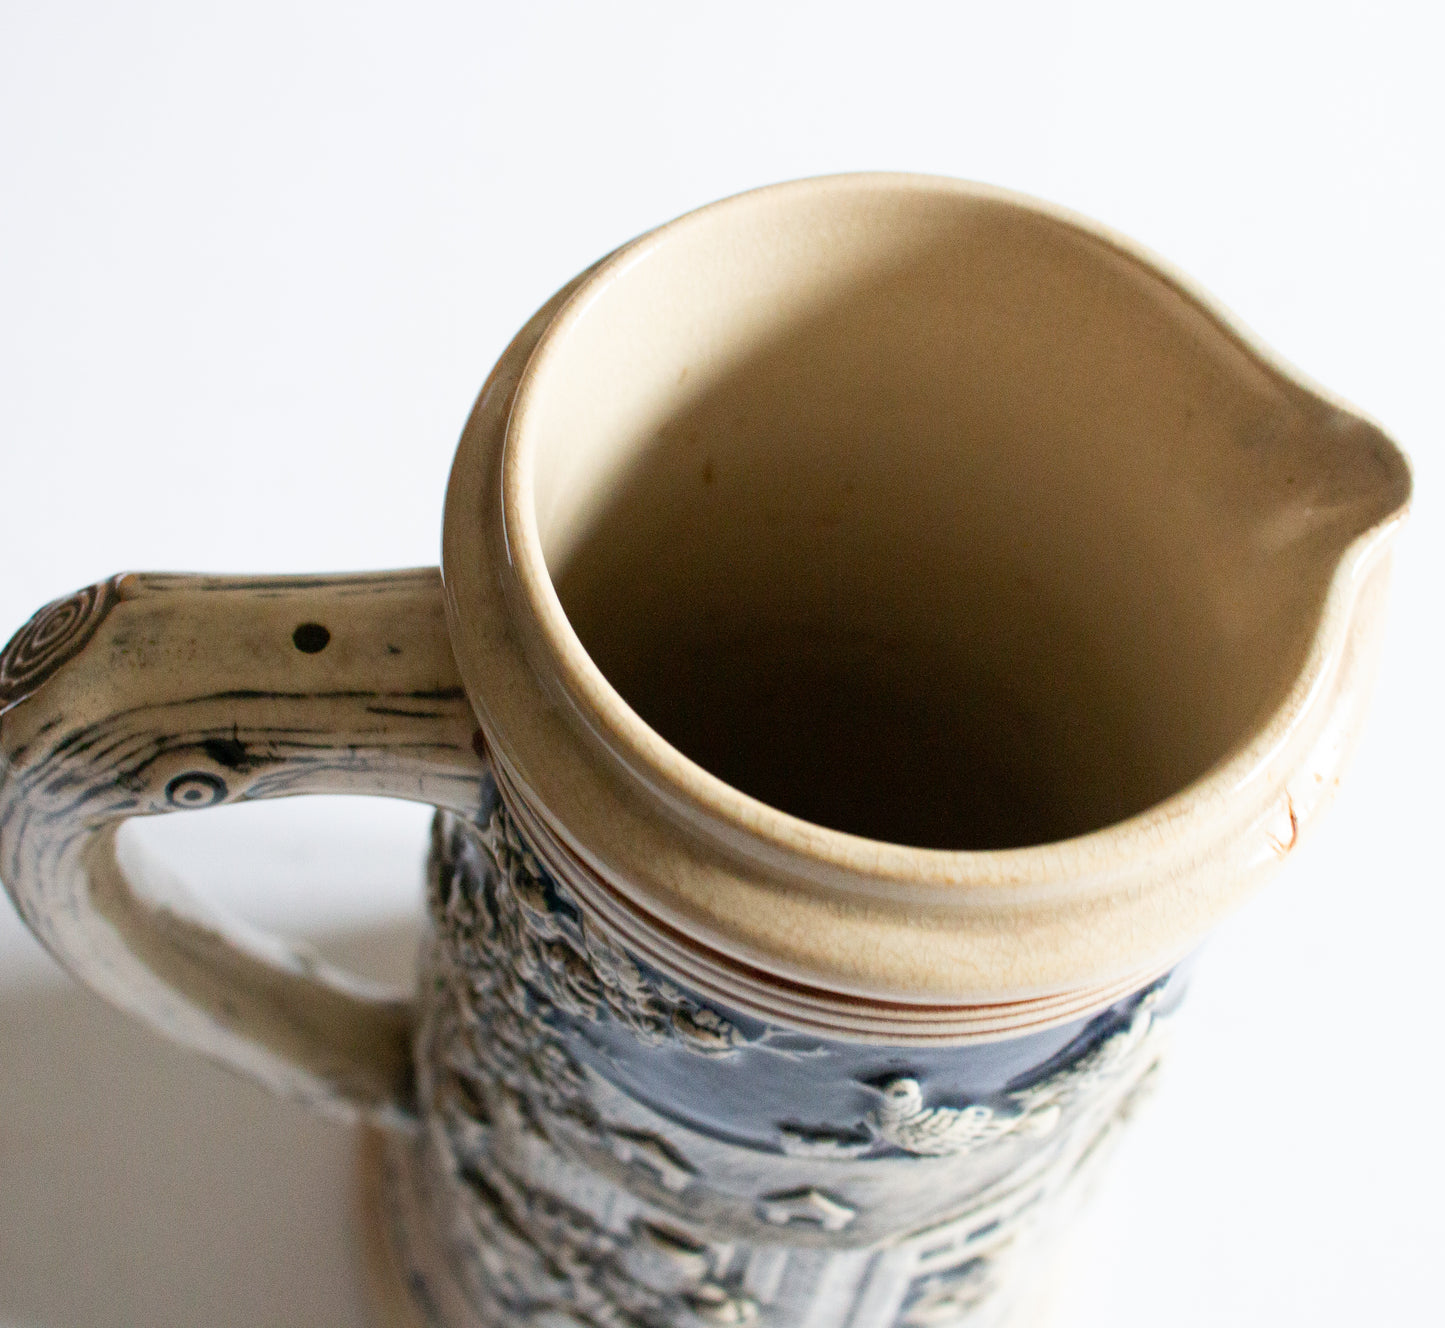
(157, 693)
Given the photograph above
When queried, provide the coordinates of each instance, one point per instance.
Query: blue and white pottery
(884, 623)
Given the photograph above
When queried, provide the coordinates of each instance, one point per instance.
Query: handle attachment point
(147, 694)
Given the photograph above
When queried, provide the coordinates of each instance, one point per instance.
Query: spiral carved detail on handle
(53, 636)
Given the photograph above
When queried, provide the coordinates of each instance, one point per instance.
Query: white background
(255, 260)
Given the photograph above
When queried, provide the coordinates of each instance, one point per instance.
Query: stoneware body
(883, 624)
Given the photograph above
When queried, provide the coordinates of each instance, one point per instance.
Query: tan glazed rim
(820, 928)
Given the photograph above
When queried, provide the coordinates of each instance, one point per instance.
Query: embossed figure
(906, 1123)
(884, 624)
(592, 1209)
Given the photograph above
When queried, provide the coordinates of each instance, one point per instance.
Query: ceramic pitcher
(884, 623)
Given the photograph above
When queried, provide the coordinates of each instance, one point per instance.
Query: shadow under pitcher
(884, 623)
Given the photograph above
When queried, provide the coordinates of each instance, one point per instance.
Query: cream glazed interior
(900, 602)
(884, 623)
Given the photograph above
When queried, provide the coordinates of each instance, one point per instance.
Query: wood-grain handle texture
(148, 694)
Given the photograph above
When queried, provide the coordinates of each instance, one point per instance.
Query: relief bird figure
(903, 1121)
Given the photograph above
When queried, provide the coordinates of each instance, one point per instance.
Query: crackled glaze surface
(574, 1173)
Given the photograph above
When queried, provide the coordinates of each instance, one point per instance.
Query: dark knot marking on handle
(196, 788)
(311, 638)
(53, 637)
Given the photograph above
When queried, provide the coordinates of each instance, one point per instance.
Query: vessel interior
(934, 520)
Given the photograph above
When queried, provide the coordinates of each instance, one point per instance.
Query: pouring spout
(1343, 499)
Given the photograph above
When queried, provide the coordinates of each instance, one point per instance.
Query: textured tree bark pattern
(148, 694)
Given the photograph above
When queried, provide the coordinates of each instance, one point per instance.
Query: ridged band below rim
(777, 999)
